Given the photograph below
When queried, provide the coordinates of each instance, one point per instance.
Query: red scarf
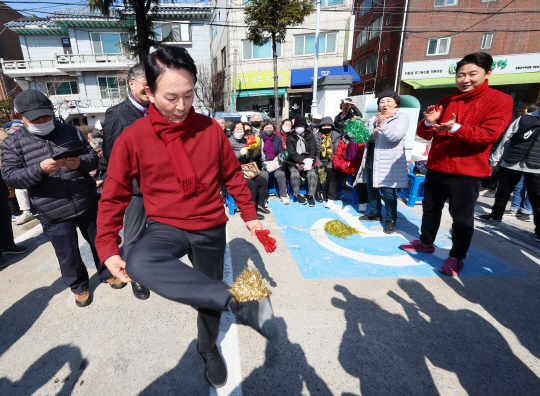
(461, 104)
(171, 135)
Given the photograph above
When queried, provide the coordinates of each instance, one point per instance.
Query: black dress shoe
(139, 291)
(260, 216)
(263, 210)
(258, 315)
(319, 197)
(15, 249)
(216, 371)
(3, 262)
(390, 227)
(301, 199)
(370, 217)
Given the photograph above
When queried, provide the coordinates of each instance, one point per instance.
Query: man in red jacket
(463, 127)
(178, 159)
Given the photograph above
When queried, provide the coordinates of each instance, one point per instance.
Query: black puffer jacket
(58, 196)
(311, 148)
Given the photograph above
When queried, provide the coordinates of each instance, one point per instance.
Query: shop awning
(259, 92)
(305, 76)
(496, 79)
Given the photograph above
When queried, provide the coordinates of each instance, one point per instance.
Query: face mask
(315, 124)
(286, 129)
(269, 132)
(41, 129)
(238, 135)
(326, 130)
(299, 130)
(256, 124)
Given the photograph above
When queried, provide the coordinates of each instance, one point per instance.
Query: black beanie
(389, 94)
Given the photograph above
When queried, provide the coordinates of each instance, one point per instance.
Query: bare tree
(209, 89)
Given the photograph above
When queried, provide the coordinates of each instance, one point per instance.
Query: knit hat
(389, 94)
(300, 120)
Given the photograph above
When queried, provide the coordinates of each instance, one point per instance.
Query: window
(179, 32)
(445, 3)
(371, 31)
(366, 66)
(389, 19)
(328, 3)
(224, 58)
(108, 43)
(112, 88)
(365, 5)
(384, 57)
(487, 41)
(251, 51)
(305, 45)
(214, 65)
(439, 46)
(65, 88)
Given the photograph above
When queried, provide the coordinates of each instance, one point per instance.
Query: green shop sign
(496, 64)
(258, 80)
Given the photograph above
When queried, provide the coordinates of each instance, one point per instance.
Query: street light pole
(314, 105)
(234, 83)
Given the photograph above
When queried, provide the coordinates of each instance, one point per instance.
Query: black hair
(136, 71)
(480, 59)
(168, 57)
(246, 124)
(267, 122)
(286, 119)
(532, 108)
(96, 134)
(235, 123)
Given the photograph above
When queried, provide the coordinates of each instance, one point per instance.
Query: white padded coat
(389, 162)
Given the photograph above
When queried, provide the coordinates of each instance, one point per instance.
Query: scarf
(301, 145)
(171, 135)
(142, 108)
(268, 147)
(351, 152)
(326, 146)
(463, 105)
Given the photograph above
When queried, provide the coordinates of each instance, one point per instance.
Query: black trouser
(389, 195)
(134, 223)
(462, 193)
(335, 180)
(508, 179)
(14, 206)
(257, 187)
(6, 231)
(63, 236)
(153, 262)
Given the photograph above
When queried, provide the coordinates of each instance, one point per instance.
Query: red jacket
(139, 154)
(348, 167)
(483, 117)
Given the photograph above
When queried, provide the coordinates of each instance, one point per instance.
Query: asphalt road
(347, 327)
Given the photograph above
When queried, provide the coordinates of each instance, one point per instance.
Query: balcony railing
(63, 60)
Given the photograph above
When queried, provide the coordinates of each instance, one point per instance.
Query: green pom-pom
(357, 131)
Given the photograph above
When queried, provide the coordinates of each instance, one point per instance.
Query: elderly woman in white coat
(384, 167)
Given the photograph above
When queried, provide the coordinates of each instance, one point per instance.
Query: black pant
(63, 236)
(462, 193)
(14, 206)
(6, 231)
(257, 187)
(134, 223)
(153, 262)
(389, 195)
(335, 179)
(508, 179)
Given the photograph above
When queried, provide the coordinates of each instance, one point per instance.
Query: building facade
(254, 65)
(10, 49)
(75, 56)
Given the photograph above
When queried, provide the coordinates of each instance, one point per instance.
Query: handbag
(272, 166)
(251, 170)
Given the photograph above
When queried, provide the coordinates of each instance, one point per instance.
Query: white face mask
(41, 129)
(286, 129)
(238, 135)
(299, 130)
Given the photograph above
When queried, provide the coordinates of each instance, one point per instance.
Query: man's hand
(380, 120)
(300, 167)
(72, 163)
(496, 167)
(432, 114)
(252, 226)
(117, 266)
(51, 166)
(445, 126)
(99, 183)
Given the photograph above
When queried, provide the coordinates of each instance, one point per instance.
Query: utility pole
(401, 45)
(314, 105)
(234, 82)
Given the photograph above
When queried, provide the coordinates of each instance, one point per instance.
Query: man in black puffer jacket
(61, 190)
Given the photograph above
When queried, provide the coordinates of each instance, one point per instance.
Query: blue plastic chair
(415, 192)
(272, 187)
(230, 204)
(303, 188)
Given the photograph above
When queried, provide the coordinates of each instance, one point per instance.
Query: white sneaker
(362, 207)
(330, 203)
(285, 200)
(24, 218)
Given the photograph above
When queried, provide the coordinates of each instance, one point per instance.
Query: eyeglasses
(143, 84)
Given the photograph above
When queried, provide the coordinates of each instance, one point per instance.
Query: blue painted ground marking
(373, 255)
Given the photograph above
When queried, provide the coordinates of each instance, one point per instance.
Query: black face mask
(256, 124)
(326, 130)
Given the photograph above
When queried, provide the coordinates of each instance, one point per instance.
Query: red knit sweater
(466, 151)
(139, 154)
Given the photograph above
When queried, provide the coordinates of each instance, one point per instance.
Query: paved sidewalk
(343, 332)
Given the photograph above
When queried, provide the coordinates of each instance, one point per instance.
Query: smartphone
(69, 153)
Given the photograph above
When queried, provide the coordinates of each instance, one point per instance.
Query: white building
(254, 70)
(74, 56)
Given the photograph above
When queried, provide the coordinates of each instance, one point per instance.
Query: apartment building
(254, 65)
(75, 56)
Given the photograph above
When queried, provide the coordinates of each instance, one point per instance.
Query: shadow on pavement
(31, 243)
(43, 371)
(285, 370)
(388, 352)
(244, 251)
(186, 378)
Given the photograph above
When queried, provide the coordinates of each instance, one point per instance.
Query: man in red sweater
(178, 159)
(462, 127)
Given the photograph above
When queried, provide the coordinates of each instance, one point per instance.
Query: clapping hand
(445, 126)
(380, 119)
(432, 114)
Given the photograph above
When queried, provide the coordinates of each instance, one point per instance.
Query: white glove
(244, 151)
(308, 163)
